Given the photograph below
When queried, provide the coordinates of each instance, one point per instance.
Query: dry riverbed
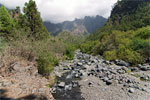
(91, 78)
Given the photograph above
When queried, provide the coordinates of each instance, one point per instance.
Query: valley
(88, 58)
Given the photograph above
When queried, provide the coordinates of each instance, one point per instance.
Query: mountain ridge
(87, 25)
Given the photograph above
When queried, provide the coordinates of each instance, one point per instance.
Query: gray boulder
(122, 63)
(131, 90)
(61, 84)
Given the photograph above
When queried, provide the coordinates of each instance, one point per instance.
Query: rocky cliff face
(85, 26)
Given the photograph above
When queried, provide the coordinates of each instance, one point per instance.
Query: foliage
(129, 55)
(87, 47)
(71, 43)
(6, 24)
(69, 53)
(46, 61)
(126, 35)
(38, 31)
(31, 41)
(110, 55)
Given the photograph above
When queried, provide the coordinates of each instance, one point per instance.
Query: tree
(35, 22)
(6, 23)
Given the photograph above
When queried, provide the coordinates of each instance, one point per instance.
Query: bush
(88, 46)
(46, 62)
(129, 55)
(110, 55)
(69, 53)
(143, 33)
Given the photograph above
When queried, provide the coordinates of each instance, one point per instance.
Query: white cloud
(61, 10)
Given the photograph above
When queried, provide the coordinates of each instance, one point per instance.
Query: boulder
(122, 63)
(79, 64)
(109, 82)
(68, 87)
(61, 84)
(131, 90)
(105, 79)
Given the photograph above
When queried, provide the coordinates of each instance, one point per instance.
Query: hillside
(125, 35)
(85, 26)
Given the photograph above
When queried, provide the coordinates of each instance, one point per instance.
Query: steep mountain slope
(125, 35)
(78, 26)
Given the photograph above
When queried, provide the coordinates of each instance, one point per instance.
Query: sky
(66, 10)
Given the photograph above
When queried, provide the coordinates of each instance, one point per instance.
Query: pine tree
(6, 23)
(35, 22)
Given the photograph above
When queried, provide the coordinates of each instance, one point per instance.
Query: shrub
(88, 46)
(129, 55)
(69, 53)
(46, 62)
(143, 33)
(110, 55)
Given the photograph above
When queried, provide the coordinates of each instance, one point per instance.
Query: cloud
(62, 10)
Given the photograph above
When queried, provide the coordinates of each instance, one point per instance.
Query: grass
(136, 75)
(128, 71)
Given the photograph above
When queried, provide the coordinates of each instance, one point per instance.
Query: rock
(68, 87)
(79, 64)
(7, 83)
(110, 77)
(74, 84)
(17, 67)
(109, 82)
(145, 77)
(143, 89)
(66, 68)
(124, 68)
(1, 84)
(144, 67)
(91, 84)
(122, 63)
(69, 76)
(134, 69)
(105, 79)
(89, 63)
(41, 90)
(53, 90)
(94, 61)
(77, 76)
(61, 84)
(131, 90)
(82, 75)
(121, 71)
(57, 74)
(106, 62)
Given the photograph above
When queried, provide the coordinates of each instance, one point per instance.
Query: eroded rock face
(24, 83)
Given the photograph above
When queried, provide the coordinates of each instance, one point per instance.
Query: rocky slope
(92, 78)
(21, 81)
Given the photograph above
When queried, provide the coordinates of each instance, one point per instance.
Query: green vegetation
(126, 35)
(136, 75)
(6, 24)
(72, 42)
(23, 36)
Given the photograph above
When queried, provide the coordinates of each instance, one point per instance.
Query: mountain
(125, 35)
(85, 26)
